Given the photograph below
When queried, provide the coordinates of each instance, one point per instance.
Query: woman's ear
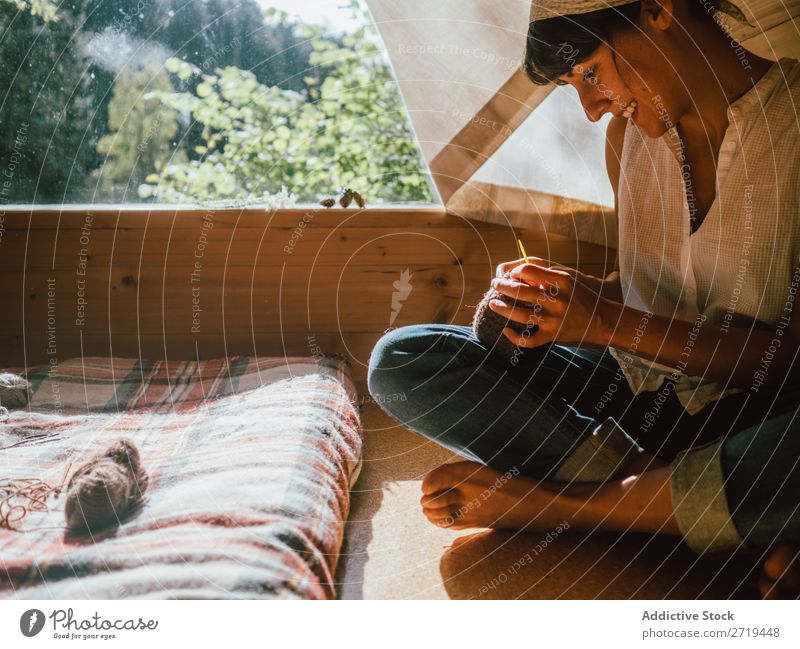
(657, 14)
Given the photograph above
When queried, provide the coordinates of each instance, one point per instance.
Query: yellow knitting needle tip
(522, 250)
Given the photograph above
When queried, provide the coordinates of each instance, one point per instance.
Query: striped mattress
(249, 460)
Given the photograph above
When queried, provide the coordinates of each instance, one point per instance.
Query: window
(225, 102)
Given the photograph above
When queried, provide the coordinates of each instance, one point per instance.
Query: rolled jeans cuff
(699, 502)
(599, 457)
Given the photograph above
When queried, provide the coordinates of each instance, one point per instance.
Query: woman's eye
(589, 75)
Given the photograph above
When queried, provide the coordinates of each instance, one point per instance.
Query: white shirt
(738, 267)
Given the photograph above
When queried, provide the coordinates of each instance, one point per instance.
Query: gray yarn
(106, 489)
(13, 390)
(487, 325)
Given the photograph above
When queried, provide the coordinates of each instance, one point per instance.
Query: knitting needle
(522, 251)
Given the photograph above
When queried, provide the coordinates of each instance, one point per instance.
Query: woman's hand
(508, 266)
(607, 287)
(564, 309)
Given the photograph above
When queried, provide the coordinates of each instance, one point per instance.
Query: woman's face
(632, 78)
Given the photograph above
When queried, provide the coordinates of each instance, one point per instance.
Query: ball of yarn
(106, 489)
(488, 325)
(13, 390)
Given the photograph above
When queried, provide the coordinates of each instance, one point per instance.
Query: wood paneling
(178, 284)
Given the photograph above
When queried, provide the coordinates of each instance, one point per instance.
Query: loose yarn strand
(21, 496)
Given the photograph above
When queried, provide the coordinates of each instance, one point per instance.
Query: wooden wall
(182, 284)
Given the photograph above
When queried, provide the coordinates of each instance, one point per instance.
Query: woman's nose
(596, 105)
(593, 102)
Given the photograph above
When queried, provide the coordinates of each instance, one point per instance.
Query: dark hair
(557, 44)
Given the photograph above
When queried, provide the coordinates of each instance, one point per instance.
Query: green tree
(208, 34)
(43, 92)
(142, 132)
(45, 9)
(350, 130)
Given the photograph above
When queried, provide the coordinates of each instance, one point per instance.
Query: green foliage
(45, 9)
(253, 106)
(141, 132)
(44, 91)
(349, 130)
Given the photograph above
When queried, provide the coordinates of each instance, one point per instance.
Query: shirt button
(736, 111)
(690, 291)
(731, 146)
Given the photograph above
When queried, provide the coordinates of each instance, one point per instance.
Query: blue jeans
(568, 414)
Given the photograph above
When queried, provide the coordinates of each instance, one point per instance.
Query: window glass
(202, 101)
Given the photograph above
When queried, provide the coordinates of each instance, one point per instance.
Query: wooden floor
(391, 551)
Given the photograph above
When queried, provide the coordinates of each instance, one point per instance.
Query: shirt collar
(755, 97)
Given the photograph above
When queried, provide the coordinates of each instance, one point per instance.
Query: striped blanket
(249, 460)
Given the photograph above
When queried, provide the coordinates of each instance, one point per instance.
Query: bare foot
(781, 576)
(468, 494)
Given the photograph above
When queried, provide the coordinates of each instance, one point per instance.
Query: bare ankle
(645, 462)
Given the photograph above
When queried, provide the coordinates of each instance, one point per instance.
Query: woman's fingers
(524, 291)
(514, 290)
(541, 326)
(502, 269)
(533, 282)
(543, 302)
(550, 293)
(517, 313)
(553, 279)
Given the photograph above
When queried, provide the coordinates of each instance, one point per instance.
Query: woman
(642, 397)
